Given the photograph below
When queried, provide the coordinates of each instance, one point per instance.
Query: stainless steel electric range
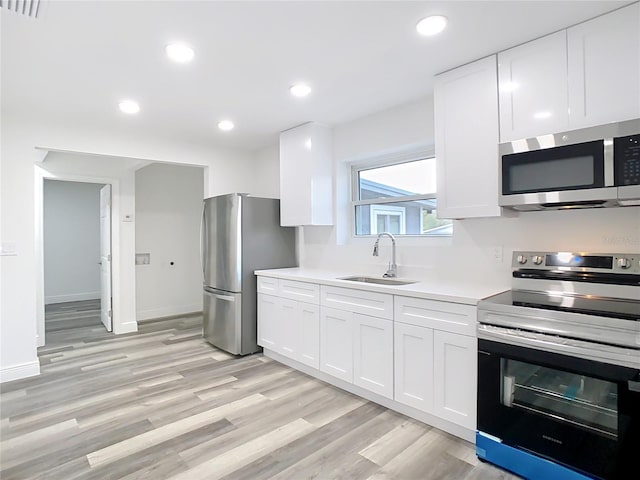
(559, 367)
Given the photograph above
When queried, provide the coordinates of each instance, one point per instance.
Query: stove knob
(624, 263)
(521, 259)
(537, 259)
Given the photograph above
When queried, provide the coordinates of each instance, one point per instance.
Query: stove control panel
(627, 263)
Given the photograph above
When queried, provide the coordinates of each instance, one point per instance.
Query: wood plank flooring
(164, 404)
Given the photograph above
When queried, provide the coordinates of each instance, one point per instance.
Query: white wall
(71, 241)
(168, 212)
(227, 171)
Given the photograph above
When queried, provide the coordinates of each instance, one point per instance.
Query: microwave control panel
(626, 151)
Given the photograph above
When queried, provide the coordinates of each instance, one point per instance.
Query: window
(398, 198)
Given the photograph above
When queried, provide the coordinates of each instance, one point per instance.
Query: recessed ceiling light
(431, 25)
(541, 115)
(300, 90)
(226, 125)
(129, 106)
(179, 52)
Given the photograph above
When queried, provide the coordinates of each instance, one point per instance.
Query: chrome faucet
(393, 268)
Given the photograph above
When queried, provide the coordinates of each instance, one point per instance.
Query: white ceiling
(79, 58)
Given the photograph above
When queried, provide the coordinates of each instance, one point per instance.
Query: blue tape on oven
(520, 462)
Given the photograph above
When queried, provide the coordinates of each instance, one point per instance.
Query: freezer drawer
(223, 320)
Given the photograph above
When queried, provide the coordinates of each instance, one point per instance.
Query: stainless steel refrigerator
(240, 234)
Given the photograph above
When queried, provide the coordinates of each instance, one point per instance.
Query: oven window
(580, 400)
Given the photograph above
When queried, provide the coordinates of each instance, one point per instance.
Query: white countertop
(450, 290)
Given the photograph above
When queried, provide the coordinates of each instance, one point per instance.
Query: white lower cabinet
(455, 366)
(289, 328)
(413, 354)
(336, 343)
(268, 314)
(373, 354)
(416, 352)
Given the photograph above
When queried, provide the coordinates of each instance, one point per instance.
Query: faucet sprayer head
(375, 249)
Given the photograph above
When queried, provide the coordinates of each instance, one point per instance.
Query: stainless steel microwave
(592, 167)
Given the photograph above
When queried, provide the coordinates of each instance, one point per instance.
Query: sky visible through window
(417, 177)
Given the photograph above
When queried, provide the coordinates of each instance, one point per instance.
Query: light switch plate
(497, 254)
(143, 258)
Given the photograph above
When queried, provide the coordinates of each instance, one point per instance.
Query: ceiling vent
(30, 8)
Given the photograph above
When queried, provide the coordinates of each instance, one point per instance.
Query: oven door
(578, 412)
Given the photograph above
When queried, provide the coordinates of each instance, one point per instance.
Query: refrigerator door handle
(202, 230)
(226, 298)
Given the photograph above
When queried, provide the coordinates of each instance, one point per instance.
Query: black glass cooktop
(586, 304)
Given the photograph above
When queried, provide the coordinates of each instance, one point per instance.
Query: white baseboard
(16, 372)
(127, 327)
(429, 419)
(71, 297)
(168, 311)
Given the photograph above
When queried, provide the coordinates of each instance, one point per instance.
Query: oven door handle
(626, 357)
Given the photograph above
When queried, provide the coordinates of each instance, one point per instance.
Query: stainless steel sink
(378, 280)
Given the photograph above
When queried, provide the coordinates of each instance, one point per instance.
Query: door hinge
(109, 313)
(109, 257)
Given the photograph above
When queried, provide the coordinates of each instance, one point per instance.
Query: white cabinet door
(306, 176)
(336, 344)
(532, 81)
(288, 328)
(373, 354)
(309, 334)
(414, 366)
(466, 133)
(455, 377)
(268, 319)
(604, 68)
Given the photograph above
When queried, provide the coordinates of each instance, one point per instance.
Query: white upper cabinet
(466, 135)
(306, 176)
(533, 88)
(604, 68)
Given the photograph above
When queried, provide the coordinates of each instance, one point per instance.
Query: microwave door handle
(609, 167)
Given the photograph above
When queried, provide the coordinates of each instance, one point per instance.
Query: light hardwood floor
(163, 403)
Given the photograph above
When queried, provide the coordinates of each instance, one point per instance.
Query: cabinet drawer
(358, 301)
(268, 285)
(449, 317)
(304, 292)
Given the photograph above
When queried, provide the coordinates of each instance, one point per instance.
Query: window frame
(388, 161)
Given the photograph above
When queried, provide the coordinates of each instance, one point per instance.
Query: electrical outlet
(497, 254)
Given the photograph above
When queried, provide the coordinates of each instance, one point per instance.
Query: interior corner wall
(71, 241)
(167, 219)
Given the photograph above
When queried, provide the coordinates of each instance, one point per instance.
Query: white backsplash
(469, 254)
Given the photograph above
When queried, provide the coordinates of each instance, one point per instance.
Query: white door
(533, 94)
(455, 374)
(288, 328)
(414, 366)
(373, 354)
(467, 143)
(604, 68)
(105, 256)
(309, 340)
(336, 346)
(268, 313)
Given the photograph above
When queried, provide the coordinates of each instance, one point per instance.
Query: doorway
(76, 258)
